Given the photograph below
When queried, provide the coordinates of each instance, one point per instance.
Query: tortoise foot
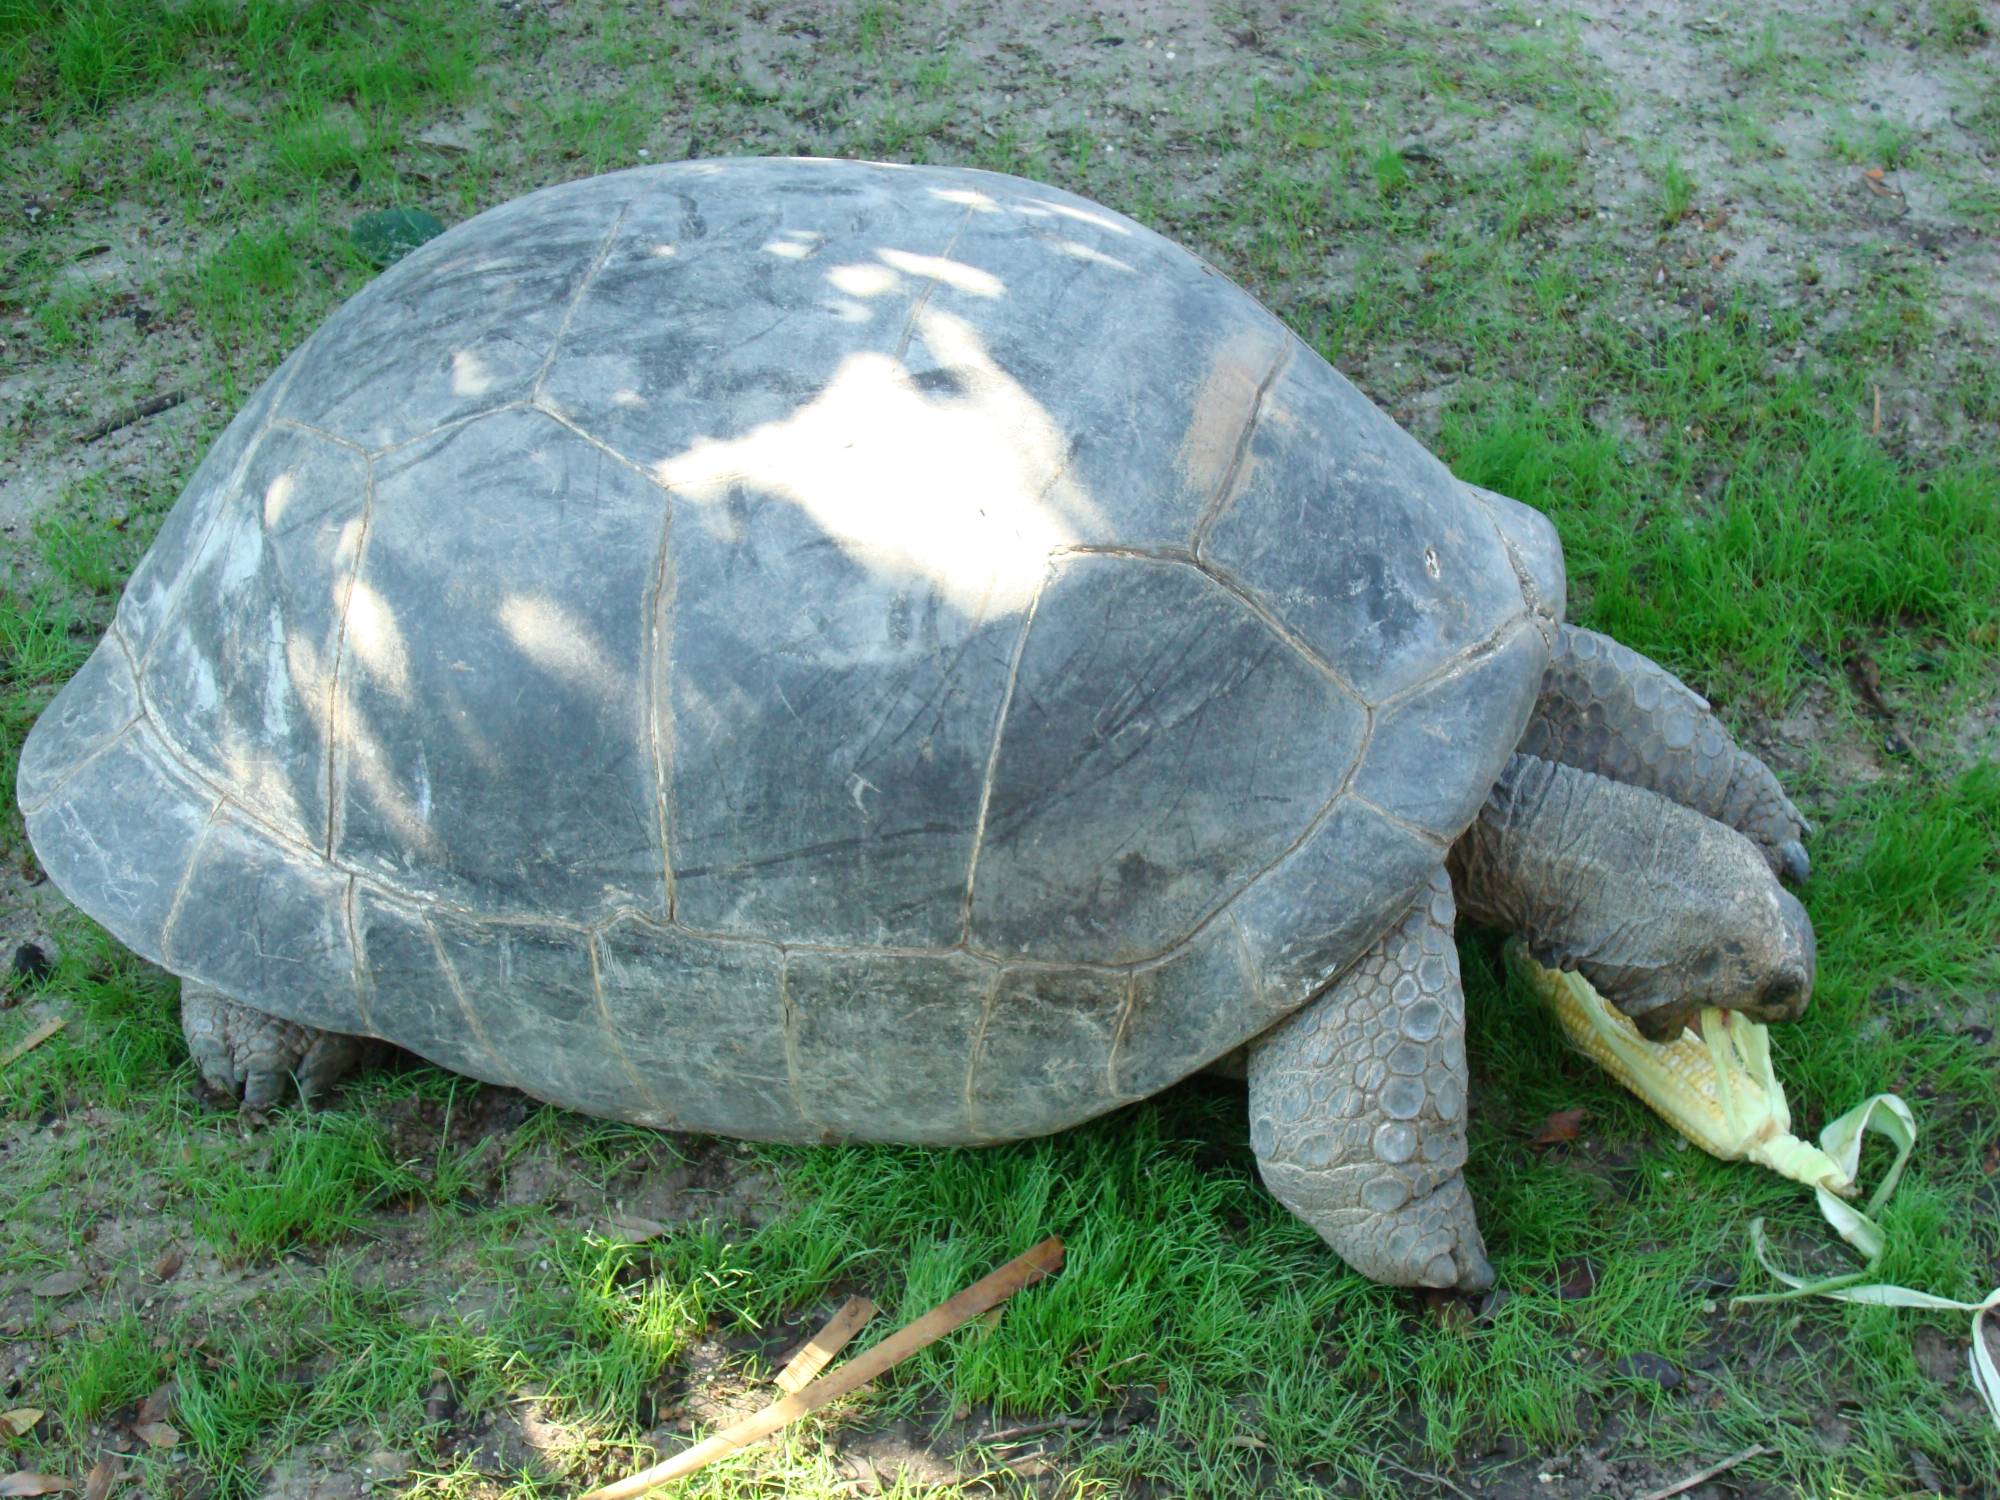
(252, 1057)
(1357, 1109)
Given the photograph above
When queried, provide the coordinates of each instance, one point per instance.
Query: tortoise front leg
(251, 1055)
(1357, 1109)
(1606, 709)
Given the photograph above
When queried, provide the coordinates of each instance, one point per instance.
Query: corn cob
(1716, 1088)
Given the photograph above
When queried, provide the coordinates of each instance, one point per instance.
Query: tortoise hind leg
(252, 1055)
(1357, 1109)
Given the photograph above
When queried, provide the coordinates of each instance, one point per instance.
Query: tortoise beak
(1665, 1022)
(1786, 993)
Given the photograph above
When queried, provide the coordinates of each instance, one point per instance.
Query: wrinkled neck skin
(1663, 910)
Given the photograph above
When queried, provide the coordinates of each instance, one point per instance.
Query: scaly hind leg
(252, 1056)
(1357, 1109)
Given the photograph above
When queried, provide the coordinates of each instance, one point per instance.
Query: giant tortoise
(819, 650)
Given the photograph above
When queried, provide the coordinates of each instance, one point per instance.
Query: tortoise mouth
(1666, 1022)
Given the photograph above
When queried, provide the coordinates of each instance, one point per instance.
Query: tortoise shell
(796, 649)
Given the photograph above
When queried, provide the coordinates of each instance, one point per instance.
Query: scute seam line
(576, 301)
(924, 296)
(788, 1022)
(336, 717)
(563, 420)
(187, 878)
(966, 1110)
(451, 424)
(1230, 485)
(354, 958)
(1243, 595)
(506, 1075)
(993, 754)
(639, 1080)
(1437, 841)
(89, 757)
(295, 425)
(1531, 593)
(1119, 1031)
(659, 700)
(1490, 644)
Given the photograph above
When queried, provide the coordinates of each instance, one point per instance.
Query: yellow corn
(1717, 1089)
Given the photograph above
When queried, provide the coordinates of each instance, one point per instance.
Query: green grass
(1707, 447)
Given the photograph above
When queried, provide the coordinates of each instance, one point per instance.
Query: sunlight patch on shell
(965, 489)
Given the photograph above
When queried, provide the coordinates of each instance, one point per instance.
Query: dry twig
(818, 1351)
(33, 1040)
(989, 1291)
(1681, 1487)
(126, 416)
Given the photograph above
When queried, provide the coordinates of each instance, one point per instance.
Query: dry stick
(34, 1039)
(1436, 1479)
(820, 1349)
(989, 1291)
(1035, 1429)
(1755, 1450)
(126, 416)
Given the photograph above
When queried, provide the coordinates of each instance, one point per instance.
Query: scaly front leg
(1608, 710)
(1357, 1109)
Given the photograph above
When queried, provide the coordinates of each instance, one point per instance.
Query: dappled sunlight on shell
(965, 489)
(469, 374)
(1077, 250)
(312, 681)
(255, 777)
(373, 636)
(1041, 206)
(277, 496)
(954, 274)
(559, 643)
(847, 310)
(864, 281)
(970, 198)
(348, 545)
(796, 244)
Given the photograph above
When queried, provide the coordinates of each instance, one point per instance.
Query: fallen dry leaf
(1564, 1125)
(1874, 174)
(156, 1434)
(158, 1406)
(103, 1474)
(21, 1482)
(1244, 1440)
(61, 1283)
(169, 1264)
(16, 1423)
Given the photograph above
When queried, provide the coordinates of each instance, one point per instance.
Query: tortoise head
(1665, 911)
(1752, 952)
